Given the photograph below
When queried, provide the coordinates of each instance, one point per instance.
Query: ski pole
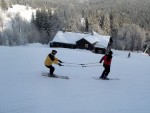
(71, 66)
(91, 63)
(81, 64)
(92, 66)
(72, 63)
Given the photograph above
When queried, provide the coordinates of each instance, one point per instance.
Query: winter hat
(54, 51)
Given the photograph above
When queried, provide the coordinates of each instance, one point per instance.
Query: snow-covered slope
(24, 90)
(25, 12)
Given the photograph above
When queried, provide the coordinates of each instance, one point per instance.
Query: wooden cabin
(91, 41)
(84, 44)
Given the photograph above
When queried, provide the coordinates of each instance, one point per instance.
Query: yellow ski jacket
(50, 59)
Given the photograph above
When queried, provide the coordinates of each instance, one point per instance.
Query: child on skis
(106, 64)
(50, 59)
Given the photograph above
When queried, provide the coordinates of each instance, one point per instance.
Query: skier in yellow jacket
(50, 59)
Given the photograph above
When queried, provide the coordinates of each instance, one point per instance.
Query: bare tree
(1, 23)
(131, 37)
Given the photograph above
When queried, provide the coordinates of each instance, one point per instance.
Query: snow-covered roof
(71, 38)
(99, 45)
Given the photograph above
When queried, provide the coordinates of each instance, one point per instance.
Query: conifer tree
(3, 5)
(86, 25)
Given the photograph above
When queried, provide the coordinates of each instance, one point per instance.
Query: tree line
(126, 21)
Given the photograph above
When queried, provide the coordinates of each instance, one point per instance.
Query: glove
(60, 61)
(100, 62)
(59, 64)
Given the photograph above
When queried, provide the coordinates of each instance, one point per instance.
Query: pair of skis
(66, 77)
(97, 78)
(55, 76)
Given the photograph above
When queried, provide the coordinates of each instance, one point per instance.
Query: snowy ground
(24, 90)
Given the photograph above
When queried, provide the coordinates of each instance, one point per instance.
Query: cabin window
(86, 45)
(100, 51)
(51, 44)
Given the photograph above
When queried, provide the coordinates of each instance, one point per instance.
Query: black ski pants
(52, 69)
(106, 71)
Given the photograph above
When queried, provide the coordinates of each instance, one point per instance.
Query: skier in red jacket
(106, 64)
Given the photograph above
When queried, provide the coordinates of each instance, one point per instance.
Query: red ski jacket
(106, 62)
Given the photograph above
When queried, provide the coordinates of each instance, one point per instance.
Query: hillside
(24, 12)
(24, 90)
